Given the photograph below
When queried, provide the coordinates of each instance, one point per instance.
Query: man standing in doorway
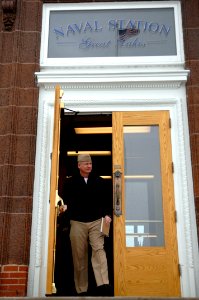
(86, 201)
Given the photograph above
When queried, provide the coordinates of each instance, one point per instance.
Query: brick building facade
(19, 60)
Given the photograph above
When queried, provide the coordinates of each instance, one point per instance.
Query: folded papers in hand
(105, 227)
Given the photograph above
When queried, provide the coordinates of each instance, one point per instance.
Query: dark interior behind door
(102, 165)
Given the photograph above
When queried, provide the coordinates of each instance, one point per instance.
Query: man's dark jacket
(86, 202)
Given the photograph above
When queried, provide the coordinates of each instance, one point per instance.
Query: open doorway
(100, 147)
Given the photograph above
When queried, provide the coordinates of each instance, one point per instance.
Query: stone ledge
(104, 298)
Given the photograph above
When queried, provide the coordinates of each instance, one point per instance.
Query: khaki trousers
(80, 234)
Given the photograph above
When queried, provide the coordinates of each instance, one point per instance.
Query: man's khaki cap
(84, 157)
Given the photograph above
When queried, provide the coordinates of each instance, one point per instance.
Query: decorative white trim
(41, 190)
(150, 85)
(187, 218)
(111, 74)
(125, 99)
(184, 186)
(158, 79)
(183, 200)
(40, 216)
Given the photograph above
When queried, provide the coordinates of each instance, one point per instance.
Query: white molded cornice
(137, 76)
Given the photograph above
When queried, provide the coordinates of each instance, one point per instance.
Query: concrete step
(98, 298)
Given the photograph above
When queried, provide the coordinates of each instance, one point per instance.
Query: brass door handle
(117, 193)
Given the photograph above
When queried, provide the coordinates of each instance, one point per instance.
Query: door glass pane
(143, 188)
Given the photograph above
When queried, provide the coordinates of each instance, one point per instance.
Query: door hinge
(51, 155)
(172, 167)
(175, 216)
(179, 269)
(169, 122)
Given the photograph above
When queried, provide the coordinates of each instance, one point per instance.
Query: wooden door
(145, 241)
(50, 287)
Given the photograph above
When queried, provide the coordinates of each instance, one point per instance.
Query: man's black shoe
(104, 290)
(83, 294)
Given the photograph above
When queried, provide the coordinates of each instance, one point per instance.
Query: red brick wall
(19, 59)
(13, 280)
(190, 15)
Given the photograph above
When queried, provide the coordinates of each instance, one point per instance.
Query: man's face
(85, 167)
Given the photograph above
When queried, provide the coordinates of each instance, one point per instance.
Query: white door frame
(160, 89)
